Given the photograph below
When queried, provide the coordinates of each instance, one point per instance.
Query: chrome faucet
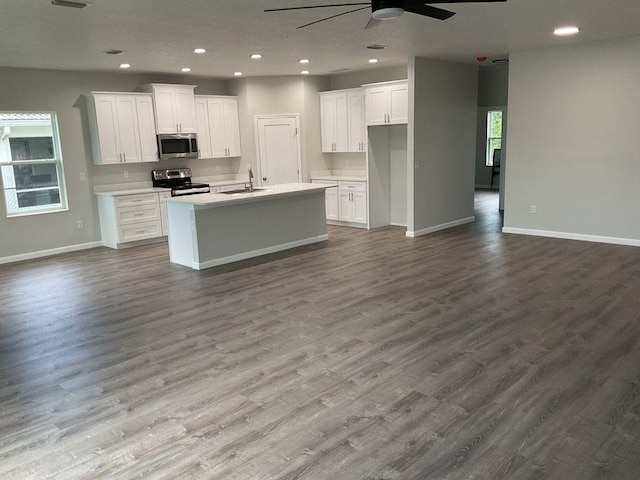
(249, 187)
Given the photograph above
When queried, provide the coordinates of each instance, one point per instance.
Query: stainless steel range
(179, 181)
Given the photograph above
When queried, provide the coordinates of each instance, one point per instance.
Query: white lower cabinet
(346, 204)
(130, 218)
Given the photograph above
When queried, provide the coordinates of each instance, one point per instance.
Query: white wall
(574, 142)
(443, 99)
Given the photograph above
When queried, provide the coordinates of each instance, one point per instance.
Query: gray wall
(357, 78)
(280, 95)
(443, 99)
(61, 92)
(574, 140)
(493, 91)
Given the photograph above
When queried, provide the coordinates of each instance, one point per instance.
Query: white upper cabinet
(342, 121)
(174, 106)
(218, 126)
(334, 119)
(121, 127)
(387, 103)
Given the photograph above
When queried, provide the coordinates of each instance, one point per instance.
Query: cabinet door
(331, 203)
(146, 129)
(128, 129)
(184, 109)
(328, 122)
(107, 130)
(232, 126)
(345, 206)
(165, 117)
(341, 123)
(376, 105)
(216, 127)
(398, 104)
(359, 207)
(203, 128)
(356, 122)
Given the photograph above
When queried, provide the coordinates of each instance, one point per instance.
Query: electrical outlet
(83, 177)
(417, 165)
(126, 174)
(533, 209)
(217, 167)
(80, 224)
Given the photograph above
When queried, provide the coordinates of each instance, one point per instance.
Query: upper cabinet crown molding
(342, 121)
(218, 126)
(174, 107)
(387, 103)
(122, 127)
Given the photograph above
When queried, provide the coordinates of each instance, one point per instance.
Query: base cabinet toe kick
(214, 229)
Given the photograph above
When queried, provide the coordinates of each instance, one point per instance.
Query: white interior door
(278, 146)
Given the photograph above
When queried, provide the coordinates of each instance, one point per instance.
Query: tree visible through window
(31, 163)
(494, 134)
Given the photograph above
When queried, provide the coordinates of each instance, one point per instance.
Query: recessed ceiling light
(199, 50)
(70, 3)
(237, 74)
(185, 69)
(256, 56)
(125, 65)
(304, 60)
(305, 72)
(373, 60)
(566, 31)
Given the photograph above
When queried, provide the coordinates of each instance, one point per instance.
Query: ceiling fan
(387, 9)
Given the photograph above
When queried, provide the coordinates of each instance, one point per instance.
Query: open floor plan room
(465, 354)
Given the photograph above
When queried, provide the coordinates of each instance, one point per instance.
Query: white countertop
(133, 191)
(267, 193)
(336, 178)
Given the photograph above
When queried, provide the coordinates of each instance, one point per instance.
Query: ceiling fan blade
(333, 16)
(461, 1)
(372, 23)
(317, 6)
(428, 11)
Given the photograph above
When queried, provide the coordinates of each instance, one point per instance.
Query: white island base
(214, 229)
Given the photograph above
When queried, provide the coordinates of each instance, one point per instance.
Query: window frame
(489, 145)
(57, 161)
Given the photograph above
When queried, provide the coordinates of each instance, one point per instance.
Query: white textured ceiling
(159, 35)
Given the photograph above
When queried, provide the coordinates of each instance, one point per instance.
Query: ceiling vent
(70, 3)
(114, 52)
(375, 46)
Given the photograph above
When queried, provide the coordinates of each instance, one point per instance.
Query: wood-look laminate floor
(465, 354)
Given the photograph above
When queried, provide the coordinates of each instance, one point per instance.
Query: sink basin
(244, 190)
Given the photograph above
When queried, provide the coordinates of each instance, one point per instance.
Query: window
(494, 134)
(31, 163)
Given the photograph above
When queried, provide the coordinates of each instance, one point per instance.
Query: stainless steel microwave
(178, 145)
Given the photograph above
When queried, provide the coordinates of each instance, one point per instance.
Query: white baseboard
(256, 253)
(48, 253)
(573, 236)
(437, 228)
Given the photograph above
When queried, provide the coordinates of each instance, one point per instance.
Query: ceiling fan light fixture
(387, 13)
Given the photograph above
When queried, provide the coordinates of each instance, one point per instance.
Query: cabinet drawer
(355, 186)
(137, 214)
(139, 231)
(139, 199)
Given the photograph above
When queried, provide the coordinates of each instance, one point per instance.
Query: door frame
(256, 122)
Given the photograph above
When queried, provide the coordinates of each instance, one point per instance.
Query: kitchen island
(212, 229)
